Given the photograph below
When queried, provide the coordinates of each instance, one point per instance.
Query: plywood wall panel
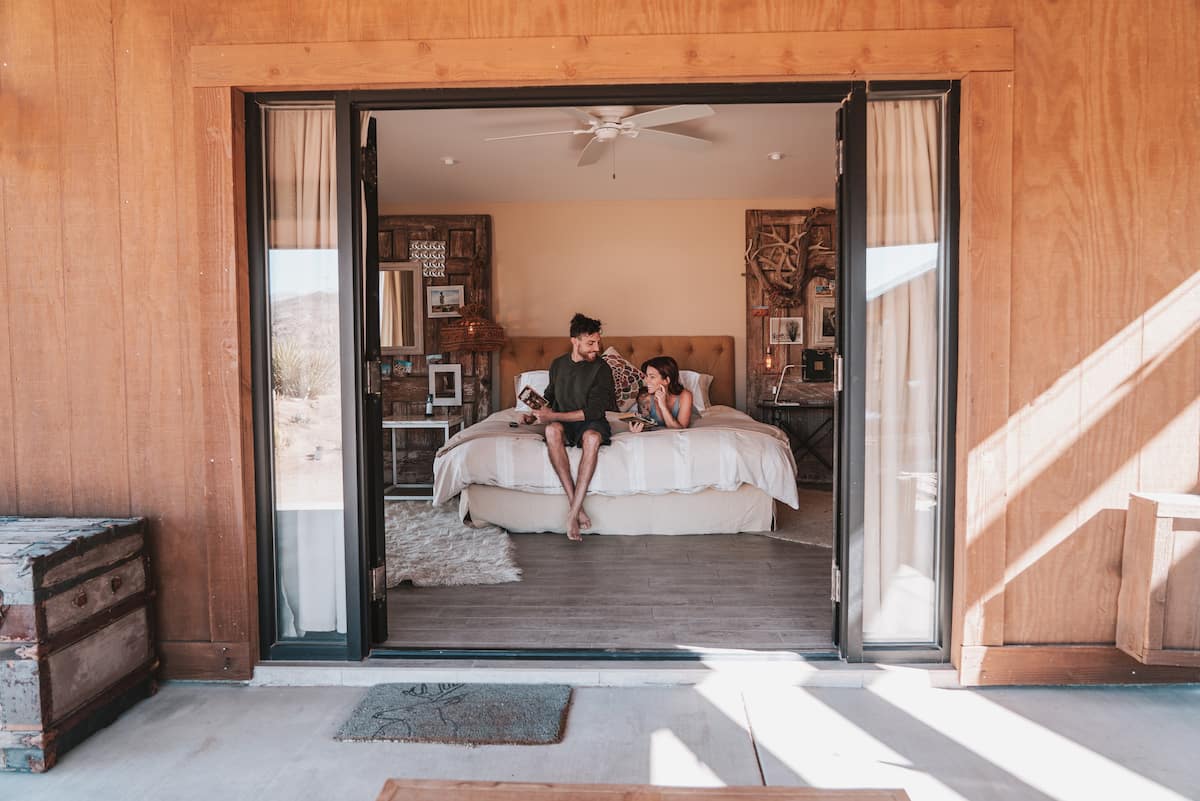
(34, 250)
(319, 21)
(92, 279)
(368, 20)
(436, 19)
(502, 18)
(1170, 452)
(153, 347)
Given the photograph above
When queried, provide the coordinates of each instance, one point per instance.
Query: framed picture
(824, 323)
(445, 384)
(787, 330)
(444, 301)
(822, 288)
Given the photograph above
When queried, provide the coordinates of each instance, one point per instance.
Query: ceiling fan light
(775, 155)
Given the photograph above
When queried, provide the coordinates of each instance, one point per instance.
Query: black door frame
(360, 551)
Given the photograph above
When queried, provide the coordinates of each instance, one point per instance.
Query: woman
(670, 404)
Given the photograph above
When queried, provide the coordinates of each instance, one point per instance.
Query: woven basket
(473, 332)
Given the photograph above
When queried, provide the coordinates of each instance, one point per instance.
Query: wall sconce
(768, 359)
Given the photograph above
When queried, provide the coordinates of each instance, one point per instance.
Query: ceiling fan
(605, 124)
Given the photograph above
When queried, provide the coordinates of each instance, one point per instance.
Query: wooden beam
(948, 53)
(227, 507)
(1062, 664)
(435, 790)
(985, 284)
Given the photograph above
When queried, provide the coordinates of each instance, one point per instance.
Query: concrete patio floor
(198, 741)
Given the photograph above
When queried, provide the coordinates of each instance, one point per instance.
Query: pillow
(697, 384)
(628, 381)
(538, 379)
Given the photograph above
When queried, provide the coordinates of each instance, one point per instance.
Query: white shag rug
(431, 547)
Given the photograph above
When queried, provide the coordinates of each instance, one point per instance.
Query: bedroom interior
(655, 241)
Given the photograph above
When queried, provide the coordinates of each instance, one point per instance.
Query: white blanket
(722, 450)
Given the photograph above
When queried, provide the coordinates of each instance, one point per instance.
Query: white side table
(415, 492)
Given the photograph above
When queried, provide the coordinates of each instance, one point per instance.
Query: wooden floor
(653, 592)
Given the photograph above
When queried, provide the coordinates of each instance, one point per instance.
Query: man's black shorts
(573, 432)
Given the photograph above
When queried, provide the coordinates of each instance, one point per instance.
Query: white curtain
(302, 178)
(903, 217)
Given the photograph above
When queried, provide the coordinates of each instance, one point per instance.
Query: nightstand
(808, 422)
(416, 492)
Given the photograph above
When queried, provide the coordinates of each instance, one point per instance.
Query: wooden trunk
(1158, 610)
(76, 633)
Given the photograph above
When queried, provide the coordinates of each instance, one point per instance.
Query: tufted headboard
(704, 354)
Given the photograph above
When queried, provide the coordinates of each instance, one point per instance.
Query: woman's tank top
(674, 412)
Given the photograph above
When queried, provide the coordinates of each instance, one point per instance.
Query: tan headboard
(704, 354)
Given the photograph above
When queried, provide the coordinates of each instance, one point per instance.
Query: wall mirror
(401, 311)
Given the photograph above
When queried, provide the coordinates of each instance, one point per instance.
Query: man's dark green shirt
(581, 385)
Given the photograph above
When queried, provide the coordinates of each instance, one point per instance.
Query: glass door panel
(304, 347)
(904, 342)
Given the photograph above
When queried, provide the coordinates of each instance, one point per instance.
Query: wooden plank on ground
(41, 409)
(431, 790)
(92, 281)
(583, 59)
(153, 347)
(985, 286)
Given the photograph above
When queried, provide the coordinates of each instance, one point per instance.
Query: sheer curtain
(903, 218)
(303, 293)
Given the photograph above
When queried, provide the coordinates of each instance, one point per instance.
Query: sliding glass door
(299, 304)
(907, 393)
(897, 346)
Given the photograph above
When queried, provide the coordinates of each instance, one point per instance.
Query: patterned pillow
(628, 381)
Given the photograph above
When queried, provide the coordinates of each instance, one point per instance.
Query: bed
(723, 475)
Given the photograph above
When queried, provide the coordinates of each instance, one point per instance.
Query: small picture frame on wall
(822, 288)
(787, 330)
(445, 384)
(444, 301)
(824, 323)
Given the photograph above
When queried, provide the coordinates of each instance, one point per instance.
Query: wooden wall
(122, 318)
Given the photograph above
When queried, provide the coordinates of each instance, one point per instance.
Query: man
(580, 392)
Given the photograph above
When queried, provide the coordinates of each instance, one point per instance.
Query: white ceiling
(413, 143)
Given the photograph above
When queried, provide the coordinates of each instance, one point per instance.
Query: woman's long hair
(668, 368)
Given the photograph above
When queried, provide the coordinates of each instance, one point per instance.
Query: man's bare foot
(584, 520)
(573, 529)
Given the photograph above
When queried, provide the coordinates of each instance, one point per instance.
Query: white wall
(642, 267)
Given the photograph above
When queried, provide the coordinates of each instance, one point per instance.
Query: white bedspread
(723, 450)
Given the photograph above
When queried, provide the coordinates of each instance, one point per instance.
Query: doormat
(431, 547)
(470, 714)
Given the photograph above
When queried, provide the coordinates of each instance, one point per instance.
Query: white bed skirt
(709, 511)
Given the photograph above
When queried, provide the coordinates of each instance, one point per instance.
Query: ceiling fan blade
(594, 151)
(580, 115)
(526, 136)
(668, 138)
(670, 115)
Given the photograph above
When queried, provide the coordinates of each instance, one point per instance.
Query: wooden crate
(1158, 611)
(428, 790)
(76, 633)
